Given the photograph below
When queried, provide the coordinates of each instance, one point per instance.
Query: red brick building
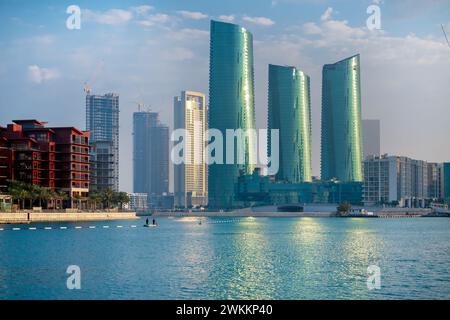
(56, 158)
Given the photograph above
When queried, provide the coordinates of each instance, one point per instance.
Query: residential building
(52, 157)
(6, 163)
(138, 202)
(150, 156)
(102, 121)
(396, 180)
(191, 176)
(289, 111)
(341, 146)
(231, 106)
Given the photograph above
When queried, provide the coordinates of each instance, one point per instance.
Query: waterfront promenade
(310, 210)
(29, 217)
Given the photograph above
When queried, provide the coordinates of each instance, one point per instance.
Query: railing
(80, 140)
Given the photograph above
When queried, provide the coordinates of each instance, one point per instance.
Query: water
(263, 258)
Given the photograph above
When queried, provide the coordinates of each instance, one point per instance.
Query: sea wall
(64, 216)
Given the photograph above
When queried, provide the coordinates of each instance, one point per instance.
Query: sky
(149, 51)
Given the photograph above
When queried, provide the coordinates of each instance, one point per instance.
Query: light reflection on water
(253, 258)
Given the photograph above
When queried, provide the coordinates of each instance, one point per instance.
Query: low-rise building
(256, 189)
(396, 180)
(138, 202)
(56, 158)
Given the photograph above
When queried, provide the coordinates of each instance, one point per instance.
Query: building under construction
(102, 121)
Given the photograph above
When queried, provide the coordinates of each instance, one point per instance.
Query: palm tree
(62, 196)
(108, 197)
(53, 196)
(95, 197)
(121, 198)
(16, 190)
(77, 197)
(40, 194)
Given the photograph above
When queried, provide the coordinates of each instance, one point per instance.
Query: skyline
(404, 75)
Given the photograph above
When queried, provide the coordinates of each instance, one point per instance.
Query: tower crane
(88, 84)
(445, 35)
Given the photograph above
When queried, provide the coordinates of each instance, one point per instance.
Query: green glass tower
(289, 111)
(231, 105)
(446, 182)
(341, 149)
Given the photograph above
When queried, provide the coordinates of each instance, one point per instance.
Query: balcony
(80, 140)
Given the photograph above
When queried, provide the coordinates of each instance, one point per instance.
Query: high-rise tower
(289, 111)
(191, 177)
(102, 120)
(231, 106)
(341, 149)
(150, 156)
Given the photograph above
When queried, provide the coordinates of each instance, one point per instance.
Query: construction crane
(141, 106)
(140, 103)
(445, 35)
(88, 85)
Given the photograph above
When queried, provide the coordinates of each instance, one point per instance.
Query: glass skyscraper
(289, 111)
(231, 94)
(102, 120)
(150, 156)
(341, 148)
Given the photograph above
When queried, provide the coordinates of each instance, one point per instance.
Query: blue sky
(151, 50)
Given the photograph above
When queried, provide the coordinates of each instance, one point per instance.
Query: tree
(61, 196)
(108, 197)
(122, 198)
(95, 197)
(77, 197)
(344, 208)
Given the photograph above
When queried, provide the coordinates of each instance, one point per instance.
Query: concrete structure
(289, 111)
(52, 157)
(435, 180)
(63, 216)
(150, 156)
(395, 179)
(371, 138)
(102, 121)
(6, 163)
(191, 177)
(341, 147)
(138, 202)
(256, 189)
(231, 106)
(5, 202)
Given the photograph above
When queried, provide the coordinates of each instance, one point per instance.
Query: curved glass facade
(341, 149)
(231, 104)
(289, 111)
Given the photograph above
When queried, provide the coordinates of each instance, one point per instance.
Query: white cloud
(142, 10)
(311, 28)
(37, 74)
(393, 72)
(261, 21)
(155, 19)
(327, 14)
(111, 17)
(192, 15)
(226, 18)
